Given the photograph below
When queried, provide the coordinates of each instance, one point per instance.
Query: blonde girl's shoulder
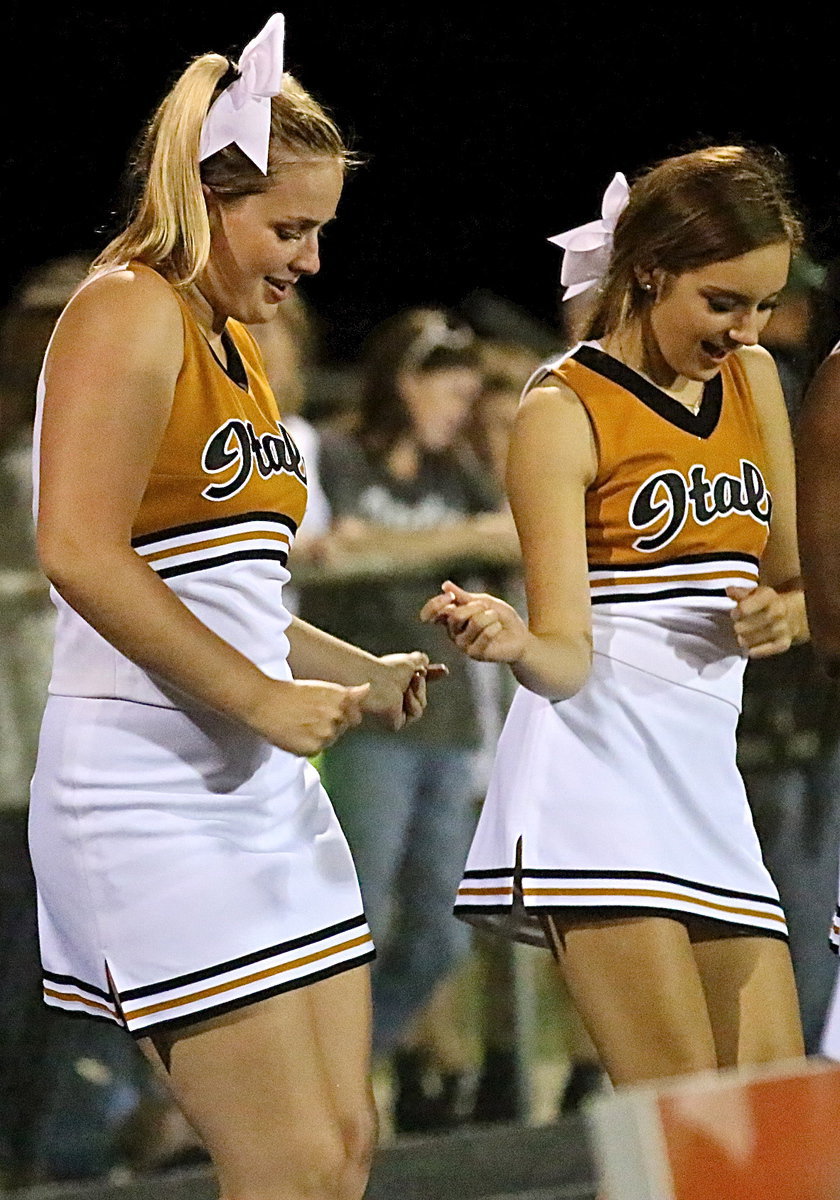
(125, 291)
(131, 306)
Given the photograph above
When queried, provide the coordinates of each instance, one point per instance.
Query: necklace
(692, 406)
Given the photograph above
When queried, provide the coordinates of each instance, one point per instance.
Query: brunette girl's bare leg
(280, 1091)
(750, 995)
(637, 986)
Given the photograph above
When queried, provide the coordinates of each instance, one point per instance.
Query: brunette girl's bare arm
(552, 461)
(818, 486)
(771, 618)
(110, 380)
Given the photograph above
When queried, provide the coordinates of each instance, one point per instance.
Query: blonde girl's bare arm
(110, 380)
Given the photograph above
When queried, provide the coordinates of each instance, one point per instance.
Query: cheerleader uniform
(186, 867)
(830, 1042)
(625, 798)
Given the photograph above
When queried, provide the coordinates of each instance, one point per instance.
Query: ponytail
(170, 226)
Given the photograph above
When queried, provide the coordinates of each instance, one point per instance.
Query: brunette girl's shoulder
(551, 398)
(758, 366)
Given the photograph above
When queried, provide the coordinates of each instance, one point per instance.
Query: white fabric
(318, 518)
(625, 796)
(708, 658)
(170, 845)
(242, 114)
(588, 247)
(830, 1045)
(26, 629)
(242, 602)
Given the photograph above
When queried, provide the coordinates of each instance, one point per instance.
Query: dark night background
(484, 134)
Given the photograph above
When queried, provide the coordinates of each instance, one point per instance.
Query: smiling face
(700, 317)
(262, 244)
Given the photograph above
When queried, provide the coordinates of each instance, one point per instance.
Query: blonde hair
(169, 227)
(688, 212)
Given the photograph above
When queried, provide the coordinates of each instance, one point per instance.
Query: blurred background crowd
(405, 449)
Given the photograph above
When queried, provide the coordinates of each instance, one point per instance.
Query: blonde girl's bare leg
(750, 995)
(342, 1018)
(279, 1091)
(637, 987)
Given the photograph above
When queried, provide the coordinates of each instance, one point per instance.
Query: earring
(647, 287)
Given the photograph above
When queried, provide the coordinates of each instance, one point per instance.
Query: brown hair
(169, 228)
(419, 339)
(690, 211)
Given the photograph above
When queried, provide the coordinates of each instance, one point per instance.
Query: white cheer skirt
(624, 799)
(831, 1032)
(185, 867)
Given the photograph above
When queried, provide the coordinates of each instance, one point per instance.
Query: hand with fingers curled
(398, 687)
(766, 621)
(304, 716)
(483, 626)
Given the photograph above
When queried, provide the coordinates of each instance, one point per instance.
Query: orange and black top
(679, 509)
(224, 499)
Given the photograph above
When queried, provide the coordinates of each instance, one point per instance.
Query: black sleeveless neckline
(235, 369)
(702, 423)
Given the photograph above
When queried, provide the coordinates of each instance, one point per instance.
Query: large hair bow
(242, 113)
(588, 247)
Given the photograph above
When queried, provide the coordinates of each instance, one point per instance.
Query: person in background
(505, 369)
(789, 733)
(407, 495)
(288, 348)
(818, 486)
(25, 647)
(70, 1092)
(792, 329)
(500, 1090)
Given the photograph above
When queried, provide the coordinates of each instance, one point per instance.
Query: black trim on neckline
(235, 369)
(702, 423)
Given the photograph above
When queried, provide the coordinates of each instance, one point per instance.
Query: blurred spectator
(506, 368)
(500, 1092)
(67, 1089)
(288, 345)
(25, 654)
(789, 735)
(498, 320)
(788, 334)
(407, 492)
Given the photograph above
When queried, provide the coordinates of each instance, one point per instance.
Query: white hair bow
(588, 247)
(242, 113)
